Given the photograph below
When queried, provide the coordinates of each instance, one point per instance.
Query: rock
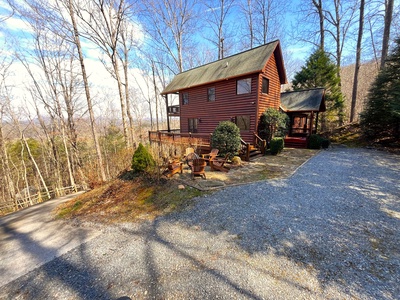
(181, 187)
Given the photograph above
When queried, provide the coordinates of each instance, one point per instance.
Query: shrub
(142, 161)
(325, 143)
(273, 123)
(226, 138)
(314, 141)
(276, 145)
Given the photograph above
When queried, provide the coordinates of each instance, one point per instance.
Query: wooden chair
(173, 168)
(213, 154)
(190, 157)
(218, 164)
(198, 167)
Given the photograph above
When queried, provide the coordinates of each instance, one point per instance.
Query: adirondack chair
(218, 164)
(190, 156)
(198, 167)
(213, 154)
(173, 168)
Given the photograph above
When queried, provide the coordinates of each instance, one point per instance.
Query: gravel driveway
(330, 231)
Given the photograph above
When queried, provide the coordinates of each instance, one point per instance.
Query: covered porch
(303, 108)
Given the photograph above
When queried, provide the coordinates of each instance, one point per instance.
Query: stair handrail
(260, 143)
(245, 149)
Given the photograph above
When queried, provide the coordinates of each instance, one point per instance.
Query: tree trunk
(386, 31)
(122, 100)
(87, 92)
(125, 64)
(357, 66)
(10, 188)
(36, 166)
(318, 6)
(155, 92)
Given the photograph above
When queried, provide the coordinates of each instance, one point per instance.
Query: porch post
(166, 103)
(311, 123)
(316, 122)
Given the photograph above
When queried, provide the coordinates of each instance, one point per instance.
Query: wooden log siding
(272, 99)
(227, 105)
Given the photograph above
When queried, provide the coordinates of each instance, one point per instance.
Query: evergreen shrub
(276, 146)
(325, 143)
(226, 138)
(314, 141)
(142, 161)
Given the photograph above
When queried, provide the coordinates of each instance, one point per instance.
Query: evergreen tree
(321, 71)
(381, 117)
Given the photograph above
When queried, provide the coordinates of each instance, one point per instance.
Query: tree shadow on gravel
(61, 275)
(332, 217)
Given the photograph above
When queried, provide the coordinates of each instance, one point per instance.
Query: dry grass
(127, 200)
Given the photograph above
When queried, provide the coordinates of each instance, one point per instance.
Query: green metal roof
(244, 63)
(305, 100)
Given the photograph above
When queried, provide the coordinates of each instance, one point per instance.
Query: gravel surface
(330, 231)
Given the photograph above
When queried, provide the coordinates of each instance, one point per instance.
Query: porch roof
(304, 100)
(241, 64)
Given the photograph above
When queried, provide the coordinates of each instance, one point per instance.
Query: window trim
(195, 125)
(185, 96)
(208, 94)
(262, 85)
(246, 90)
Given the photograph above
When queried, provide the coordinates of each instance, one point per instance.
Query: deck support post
(166, 103)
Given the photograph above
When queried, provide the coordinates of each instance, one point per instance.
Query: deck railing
(174, 136)
(202, 141)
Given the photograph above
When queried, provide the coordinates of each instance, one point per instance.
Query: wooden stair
(296, 142)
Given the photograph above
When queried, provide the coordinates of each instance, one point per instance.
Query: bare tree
(103, 20)
(341, 20)
(170, 23)
(386, 31)
(8, 186)
(358, 62)
(77, 42)
(320, 11)
(217, 13)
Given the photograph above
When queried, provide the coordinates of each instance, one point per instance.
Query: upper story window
(265, 85)
(185, 98)
(243, 86)
(211, 94)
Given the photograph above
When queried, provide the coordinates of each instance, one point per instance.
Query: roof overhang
(246, 63)
(311, 100)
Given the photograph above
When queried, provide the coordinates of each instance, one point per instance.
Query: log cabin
(238, 88)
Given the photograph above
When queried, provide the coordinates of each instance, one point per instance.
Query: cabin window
(211, 94)
(243, 122)
(193, 125)
(243, 86)
(265, 85)
(185, 98)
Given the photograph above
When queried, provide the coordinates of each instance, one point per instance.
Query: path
(31, 237)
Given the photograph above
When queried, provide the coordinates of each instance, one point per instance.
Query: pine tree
(321, 71)
(381, 117)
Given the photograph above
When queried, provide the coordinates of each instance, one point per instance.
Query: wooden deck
(202, 142)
